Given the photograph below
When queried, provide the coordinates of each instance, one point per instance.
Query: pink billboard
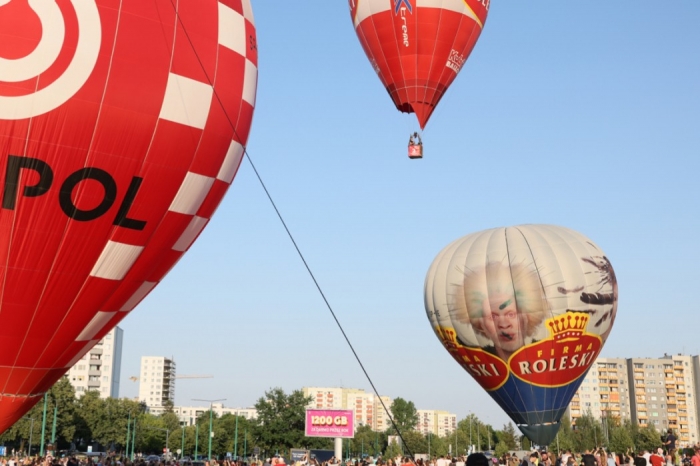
(330, 423)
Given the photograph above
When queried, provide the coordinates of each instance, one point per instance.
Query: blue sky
(580, 114)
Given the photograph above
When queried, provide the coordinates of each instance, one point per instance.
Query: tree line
(279, 426)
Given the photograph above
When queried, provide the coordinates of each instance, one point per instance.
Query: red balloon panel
(417, 47)
(122, 125)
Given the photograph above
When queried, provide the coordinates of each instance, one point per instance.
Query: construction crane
(135, 379)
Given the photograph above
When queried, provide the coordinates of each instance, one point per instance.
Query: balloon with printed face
(417, 47)
(122, 125)
(525, 310)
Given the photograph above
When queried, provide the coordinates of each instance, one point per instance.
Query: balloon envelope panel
(122, 125)
(525, 310)
(417, 47)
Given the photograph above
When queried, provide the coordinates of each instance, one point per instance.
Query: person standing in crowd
(670, 443)
(479, 459)
(695, 460)
(657, 458)
(588, 459)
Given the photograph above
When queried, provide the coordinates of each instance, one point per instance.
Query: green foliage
(280, 426)
(588, 434)
(405, 416)
(620, 439)
(61, 401)
(415, 442)
(280, 423)
(508, 436)
(502, 448)
(104, 420)
(477, 433)
(647, 438)
(393, 450)
(368, 441)
(565, 438)
(439, 446)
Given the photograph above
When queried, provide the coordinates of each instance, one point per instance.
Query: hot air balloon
(122, 125)
(417, 47)
(525, 310)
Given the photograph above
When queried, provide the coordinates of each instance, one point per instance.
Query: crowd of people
(668, 456)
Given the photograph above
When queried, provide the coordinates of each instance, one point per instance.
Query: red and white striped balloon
(417, 47)
(122, 125)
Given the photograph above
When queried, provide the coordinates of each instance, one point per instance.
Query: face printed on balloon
(525, 311)
(502, 323)
(507, 312)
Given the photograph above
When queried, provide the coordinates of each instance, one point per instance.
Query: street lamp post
(53, 426)
(43, 425)
(235, 441)
(167, 437)
(31, 432)
(478, 436)
(128, 433)
(133, 440)
(196, 440)
(470, 432)
(211, 419)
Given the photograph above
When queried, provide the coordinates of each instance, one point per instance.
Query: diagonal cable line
(291, 236)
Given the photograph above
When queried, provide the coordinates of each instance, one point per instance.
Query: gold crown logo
(569, 326)
(449, 337)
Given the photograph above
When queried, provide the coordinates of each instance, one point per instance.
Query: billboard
(334, 423)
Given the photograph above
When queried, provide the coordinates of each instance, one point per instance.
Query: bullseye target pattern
(122, 125)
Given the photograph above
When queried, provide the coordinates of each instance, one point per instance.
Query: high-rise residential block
(649, 391)
(157, 382)
(99, 369)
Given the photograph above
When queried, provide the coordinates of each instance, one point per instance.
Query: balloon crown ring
(569, 326)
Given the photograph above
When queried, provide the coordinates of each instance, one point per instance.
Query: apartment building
(435, 422)
(362, 404)
(603, 392)
(369, 410)
(157, 382)
(381, 418)
(99, 369)
(681, 398)
(650, 391)
(188, 414)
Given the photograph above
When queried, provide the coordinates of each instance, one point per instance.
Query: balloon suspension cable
(291, 237)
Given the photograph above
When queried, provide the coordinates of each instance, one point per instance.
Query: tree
(281, 420)
(620, 439)
(415, 442)
(564, 439)
(393, 450)
(367, 441)
(405, 416)
(588, 434)
(647, 438)
(103, 420)
(62, 397)
(508, 436)
(501, 449)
